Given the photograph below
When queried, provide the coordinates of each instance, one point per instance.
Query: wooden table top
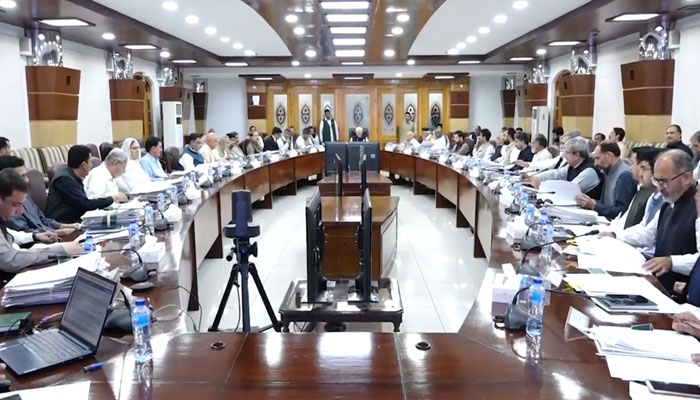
(480, 361)
(354, 178)
(348, 209)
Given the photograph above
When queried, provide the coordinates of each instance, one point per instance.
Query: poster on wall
(306, 111)
(357, 111)
(280, 111)
(435, 102)
(389, 113)
(328, 103)
(409, 122)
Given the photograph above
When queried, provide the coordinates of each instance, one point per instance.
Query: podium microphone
(527, 270)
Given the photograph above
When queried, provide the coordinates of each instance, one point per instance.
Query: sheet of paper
(73, 391)
(562, 192)
(658, 344)
(652, 369)
(609, 254)
(58, 272)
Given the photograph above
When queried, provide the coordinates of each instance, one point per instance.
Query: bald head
(212, 140)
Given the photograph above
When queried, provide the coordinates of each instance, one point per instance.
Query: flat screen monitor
(333, 148)
(365, 238)
(371, 150)
(314, 248)
(363, 173)
(339, 168)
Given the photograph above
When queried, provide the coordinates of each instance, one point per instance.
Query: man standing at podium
(329, 128)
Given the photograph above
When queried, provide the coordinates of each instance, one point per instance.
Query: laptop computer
(78, 335)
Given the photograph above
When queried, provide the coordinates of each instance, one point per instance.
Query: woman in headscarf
(134, 176)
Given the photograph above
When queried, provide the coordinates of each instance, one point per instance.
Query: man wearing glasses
(673, 232)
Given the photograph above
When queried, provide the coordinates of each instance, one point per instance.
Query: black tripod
(241, 232)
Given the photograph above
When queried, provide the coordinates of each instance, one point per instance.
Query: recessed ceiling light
(41, 36)
(262, 78)
(452, 51)
(295, 63)
(249, 53)
(397, 30)
(484, 30)
(444, 77)
(236, 64)
(469, 62)
(64, 22)
(140, 46)
(635, 17)
(311, 53)
(541, 52)
(347, 17)
(392, 9)
(402, 17)
(349, 41)
(500, 18)
(8, 3)
(411, 61)
(238, 45)
(350, 53)
(169, 5)
(521, 59)
(165, 54)
(108, 36)
(210, 30)
(389, 35)
(299, 31)
(225, 39)
(192, 19)
(659, 28)
(291, 18)
(348, 30)
(389, 53)
(461, 45)
(345, 5)
(471, 39)
(187, 61)
(520, 5)
(307, 76)
(399, 75)
(564, 43)
(353, 78)
(352, 63)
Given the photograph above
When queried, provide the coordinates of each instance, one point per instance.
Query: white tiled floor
(437, 276)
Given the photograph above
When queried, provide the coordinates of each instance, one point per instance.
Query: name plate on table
(255, 163)
(425, 156)
(577, 325)
(442, 158)
(292, 153)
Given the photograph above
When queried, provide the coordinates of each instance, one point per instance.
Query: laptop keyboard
(53, 347)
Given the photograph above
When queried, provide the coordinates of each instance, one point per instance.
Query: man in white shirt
(411, 139)
(539, 147)
(484, 149)
(617, 135)
(100, 182)
(552, 163)
(209, 149)
(441, 141)
(329, 128)
(304, 140)
(509, 153)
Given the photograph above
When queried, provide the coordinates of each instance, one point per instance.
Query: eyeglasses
(663, 183)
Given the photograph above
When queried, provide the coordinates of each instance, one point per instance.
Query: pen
(92, 367)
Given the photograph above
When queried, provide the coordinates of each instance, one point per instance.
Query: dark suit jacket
(68, 201)
(270, 144)
(525, 154)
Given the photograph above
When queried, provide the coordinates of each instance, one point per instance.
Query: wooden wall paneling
(52, 96)
(577, 96)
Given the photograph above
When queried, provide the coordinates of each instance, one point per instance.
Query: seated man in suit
(539, 149)
(359, 135)
(67, 200)
(674, 231)
(234, 147)
(13, 193)
(618, 186)
(522, 143)
(102, 180)
(32, 219)
(191, 157)
(580, 169)
(271, 143)
(674, 139)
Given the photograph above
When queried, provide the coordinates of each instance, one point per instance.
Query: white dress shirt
(210, 155)
(485, 151)
(302, 144)
(100, 183)
(542, 165)
(618, 225)
(413, 143)
(696, 172)
(642, 237)
(21, 237)
(441, 143)
(509, 154)
(281, 143)
(542, 155)
(134, 176)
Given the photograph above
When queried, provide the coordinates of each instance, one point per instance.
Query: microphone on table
(161, 224)
(136, 273)
(527, 270)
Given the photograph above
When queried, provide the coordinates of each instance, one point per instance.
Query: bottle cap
(140, 302)
(536, 281)
(88, 237)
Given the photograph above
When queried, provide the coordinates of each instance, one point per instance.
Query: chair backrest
(105, 148)
(50, 156)
(31, 157)
(55, 168)
(244, 146)
(172, 159)
(94, 150)
(37, 187)
(95, 162)
(64, 151)
(553, 150)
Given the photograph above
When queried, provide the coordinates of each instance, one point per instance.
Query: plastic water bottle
(547, 237)
(149, 218)
(141, 325)
(210, 174)
(89, 244)
(539, 227)
(524, 200)
(193, 178)
(173, 194)
(134, 235)
(161, 202)
(534, 318)
(529, 214)
(516, 194)
(185, 183)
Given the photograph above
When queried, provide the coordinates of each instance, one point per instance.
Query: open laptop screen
(87, 306)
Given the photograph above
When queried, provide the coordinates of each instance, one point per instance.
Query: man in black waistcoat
(674, 232)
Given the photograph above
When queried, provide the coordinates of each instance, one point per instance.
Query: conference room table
(480, 361)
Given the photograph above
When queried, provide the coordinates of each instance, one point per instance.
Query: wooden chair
(37, 187)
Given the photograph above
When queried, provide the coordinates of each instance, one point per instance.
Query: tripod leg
(224, 300)
(263, 296)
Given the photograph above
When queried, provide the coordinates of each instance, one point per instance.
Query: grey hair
(578, 145)
(682, 162)
(116, 156)
(696, 137)
(570, 135)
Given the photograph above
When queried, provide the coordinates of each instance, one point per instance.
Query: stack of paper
(572, 215)
(99, 219)
(609, 254)
(74, 391)
(560, 193)
(47, 285)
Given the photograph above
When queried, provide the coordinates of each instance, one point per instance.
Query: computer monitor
(370, 149)
(364, 282)
(332, 149)
(316, 283)
(339, 168)
(363, 173)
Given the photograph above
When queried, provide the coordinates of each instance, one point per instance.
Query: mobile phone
(676, 389)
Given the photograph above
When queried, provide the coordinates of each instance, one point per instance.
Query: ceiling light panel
(521, 59)
(236, 64)
(262, 78)
(350, 53)
(352, 63)
(347, 17)
(345, 5)
(169, 5)
(65, 22)
(635, 17)
(140, 46)
(564, 43)
(348, 30)
(444, 77)
(467, 62)
(349, 41)
(187, 61)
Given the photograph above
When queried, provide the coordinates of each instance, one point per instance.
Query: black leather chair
(37, 188)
